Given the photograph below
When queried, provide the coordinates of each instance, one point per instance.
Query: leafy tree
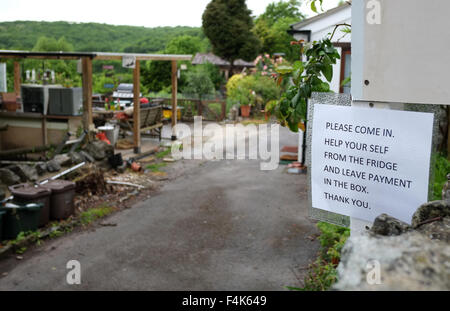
(281, 9)
(214, 73)
(21, 35)
(45, 44)
(185, 45)
(271, 28)
(157, 74)
(99, 83)
(199, 83)
(228, 24)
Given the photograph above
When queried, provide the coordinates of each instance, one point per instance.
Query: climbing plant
(305, 77)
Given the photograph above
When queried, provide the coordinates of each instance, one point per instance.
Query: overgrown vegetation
(156, 167)
(18, 243)
(440, 170)
(163, 154)
(290, 110)
(253, 90)
(322, 273)
(93, 214)
(199, 83)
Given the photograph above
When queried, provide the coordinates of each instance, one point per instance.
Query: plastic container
(20, 218)
(1, 224)
(116, 160)
(111, 132)
(61, 199)
(24, 194)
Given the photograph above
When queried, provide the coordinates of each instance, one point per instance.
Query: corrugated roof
(202, 58)
(96, 55)
(33, 54)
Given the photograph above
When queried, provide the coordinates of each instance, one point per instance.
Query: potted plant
(245, 99)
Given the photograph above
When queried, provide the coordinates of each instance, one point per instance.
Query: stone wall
(415, 257)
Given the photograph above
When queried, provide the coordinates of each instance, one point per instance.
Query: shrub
(322, 273)
(232, 83)
(253, 90)
(440, 170)
(199, 83)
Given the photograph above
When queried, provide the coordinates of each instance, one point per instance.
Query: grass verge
(93, 214)
(322, 272)
(163, 154)
(156, 166)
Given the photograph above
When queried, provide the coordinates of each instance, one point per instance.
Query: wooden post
(87, 92)
(17, 78)
(174, 98)
(136, 108)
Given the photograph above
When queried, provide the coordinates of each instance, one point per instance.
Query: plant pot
(245, 111)
(10, 106)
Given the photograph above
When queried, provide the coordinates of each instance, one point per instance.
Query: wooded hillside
(22, 35)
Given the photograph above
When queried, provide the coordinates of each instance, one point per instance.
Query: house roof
(202, 58)
(320, 16)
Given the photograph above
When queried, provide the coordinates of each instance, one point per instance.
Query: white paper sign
(366, 161)
(128, 61)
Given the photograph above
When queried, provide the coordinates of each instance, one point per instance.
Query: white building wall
(323, 27)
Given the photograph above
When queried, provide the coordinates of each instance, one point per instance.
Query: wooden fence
(210, 110)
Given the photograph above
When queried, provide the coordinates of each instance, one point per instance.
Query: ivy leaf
(347, 30)
(313, 6)
(300, 110)
(298, 70)
(293, 126)
(284, 107)
(327, 71)
(295, 100)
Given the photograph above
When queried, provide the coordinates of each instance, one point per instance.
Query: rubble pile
(96, 152)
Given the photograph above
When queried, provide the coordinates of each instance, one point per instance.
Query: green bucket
(18, 218)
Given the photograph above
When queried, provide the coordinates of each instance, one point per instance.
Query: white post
(300, 146)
